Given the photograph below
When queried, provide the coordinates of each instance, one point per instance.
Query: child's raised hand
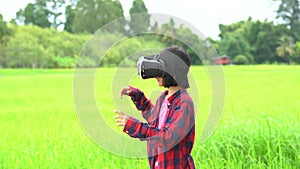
(125, 91)
(121, 118)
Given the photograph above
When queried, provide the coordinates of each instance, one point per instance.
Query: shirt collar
(172, 98)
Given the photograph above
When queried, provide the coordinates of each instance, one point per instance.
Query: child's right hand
(125, 91)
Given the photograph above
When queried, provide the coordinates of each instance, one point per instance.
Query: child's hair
(180, 52)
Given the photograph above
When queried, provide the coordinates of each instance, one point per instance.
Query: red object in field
(222, 60)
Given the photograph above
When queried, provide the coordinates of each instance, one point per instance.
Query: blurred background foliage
(52, 33)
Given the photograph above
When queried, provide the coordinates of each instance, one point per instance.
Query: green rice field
(259, 128)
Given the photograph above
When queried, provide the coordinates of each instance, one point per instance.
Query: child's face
(159, 81)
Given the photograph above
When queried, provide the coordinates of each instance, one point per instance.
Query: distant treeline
(52, 33)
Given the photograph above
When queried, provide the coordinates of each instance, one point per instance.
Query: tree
(34, 47)
(43, 13)
(30, 54)
(5, 32)
(297, 52)
(55, 8)
(35, 14)
(289, 11)
(285, 48)
(91, 15)
(255, 39)
(168, 32)
(235, 44)
(127, 53)
(234, 40)
(139, 17)
(241, 60)
(70, 15)
(266, 41)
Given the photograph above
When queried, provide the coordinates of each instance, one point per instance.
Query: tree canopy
(90, 15)
(289, 12)
(141, 22)
(35, 38)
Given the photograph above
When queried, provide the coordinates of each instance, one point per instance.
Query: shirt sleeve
(175, 130)
(143, 103)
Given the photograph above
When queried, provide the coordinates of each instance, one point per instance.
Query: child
(170, 127)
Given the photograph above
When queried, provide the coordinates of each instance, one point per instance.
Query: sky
(205, 15)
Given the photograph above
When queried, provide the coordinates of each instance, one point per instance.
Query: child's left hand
(121, 118)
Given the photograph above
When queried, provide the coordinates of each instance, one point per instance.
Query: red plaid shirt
(169, 147)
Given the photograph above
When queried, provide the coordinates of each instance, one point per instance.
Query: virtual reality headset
(165, 64)
(151, 67)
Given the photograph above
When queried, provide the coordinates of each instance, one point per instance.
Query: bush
(64, 62)
(85, 62)
(127, 63)
(241, 60)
